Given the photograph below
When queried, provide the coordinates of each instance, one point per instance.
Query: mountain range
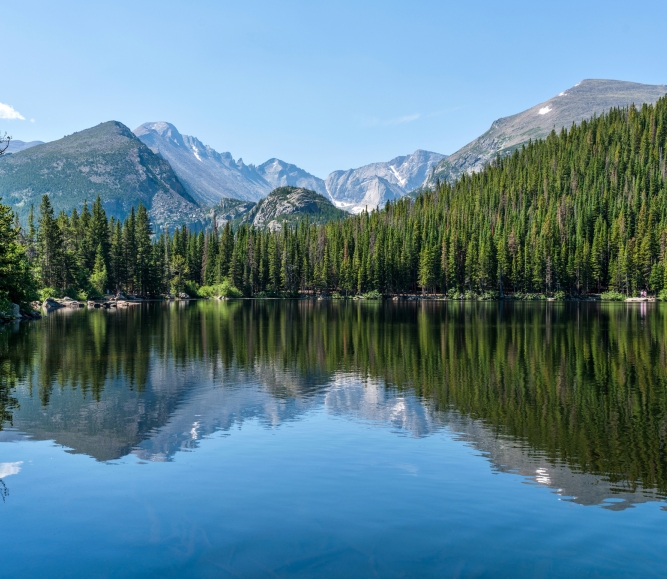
(182, 180)
(210, 176)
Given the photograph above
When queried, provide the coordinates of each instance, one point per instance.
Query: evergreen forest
(583, 211)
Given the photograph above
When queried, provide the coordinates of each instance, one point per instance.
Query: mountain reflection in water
(572, 396)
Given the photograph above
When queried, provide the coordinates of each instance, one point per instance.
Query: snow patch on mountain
(371, 186)
(585, 99)
(210, 176)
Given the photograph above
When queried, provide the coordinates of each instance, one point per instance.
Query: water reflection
(571, 396)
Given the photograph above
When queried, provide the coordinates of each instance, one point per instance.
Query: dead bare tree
(4, 142)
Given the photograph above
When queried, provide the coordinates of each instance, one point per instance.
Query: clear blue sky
(325, 85)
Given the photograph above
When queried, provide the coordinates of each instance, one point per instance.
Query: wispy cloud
(402, 120)
(375, 122)
(8, 112)
(442, 112)
(393, 122)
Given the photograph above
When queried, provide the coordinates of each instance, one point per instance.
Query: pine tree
(98, 279)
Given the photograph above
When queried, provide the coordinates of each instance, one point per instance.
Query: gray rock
(51, 304)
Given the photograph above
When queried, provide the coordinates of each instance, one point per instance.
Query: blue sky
(325, 85)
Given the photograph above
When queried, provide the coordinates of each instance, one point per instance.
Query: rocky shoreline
(52, 304)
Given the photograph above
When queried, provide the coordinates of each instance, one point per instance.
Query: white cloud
(32, 120)
(9, 468)
(8, 112)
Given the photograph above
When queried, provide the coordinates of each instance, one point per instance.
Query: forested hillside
(581, 212)
(581, 102)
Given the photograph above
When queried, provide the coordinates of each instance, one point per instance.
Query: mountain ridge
(105, 160)
(584, 100)
(210, 176)
(372, 185)
(15, 145)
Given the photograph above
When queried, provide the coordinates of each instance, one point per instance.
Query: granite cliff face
(288, 205)
(582, 101)
(277, 173)
(370, 186)
(210, 176)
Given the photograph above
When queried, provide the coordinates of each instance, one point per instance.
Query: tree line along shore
(580, 213)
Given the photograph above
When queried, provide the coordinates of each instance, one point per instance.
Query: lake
(267, 438)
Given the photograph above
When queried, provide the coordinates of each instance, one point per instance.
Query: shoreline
(54, 304)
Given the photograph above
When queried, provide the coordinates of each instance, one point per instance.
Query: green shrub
(207, 291)
(559, 295)
(662, 296)
(372, 295)
(6, 307)
(224, 290)
(227, 290)
(82, 294)
(489, 295)
(613, 296)
(453, 294)
(265, 294)
(192, 289)
(529, 297)
(49, 292)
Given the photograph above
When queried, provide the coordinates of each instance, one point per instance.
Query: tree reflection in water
(584, 385)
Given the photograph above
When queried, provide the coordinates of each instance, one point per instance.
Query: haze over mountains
(182, 180)
(16, 146)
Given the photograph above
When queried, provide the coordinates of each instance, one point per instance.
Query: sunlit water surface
(303, 439)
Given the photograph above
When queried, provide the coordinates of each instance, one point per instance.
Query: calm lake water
(328, 439)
